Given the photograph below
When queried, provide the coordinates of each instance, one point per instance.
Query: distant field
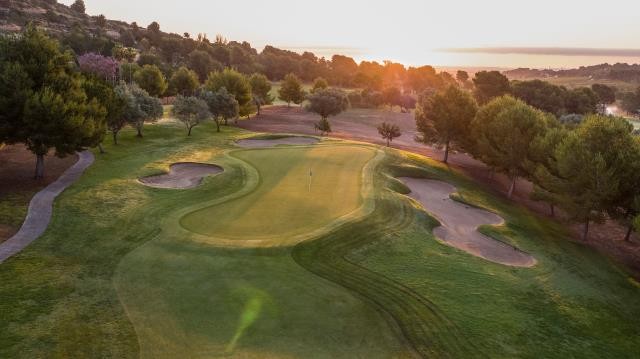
(573, 82)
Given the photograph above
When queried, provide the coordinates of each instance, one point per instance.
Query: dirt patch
(459, 223)
(264, 143)
(17, 186)
(182, 175)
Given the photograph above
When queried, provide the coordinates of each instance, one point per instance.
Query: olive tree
(388, 132)
(191, 111)
(222, 105)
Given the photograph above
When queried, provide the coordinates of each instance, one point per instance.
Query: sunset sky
(541, 33)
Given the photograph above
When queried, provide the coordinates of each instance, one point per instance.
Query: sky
(501, 33)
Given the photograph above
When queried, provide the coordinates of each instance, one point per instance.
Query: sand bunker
(182, 175)
(255, 143)
(460, 223)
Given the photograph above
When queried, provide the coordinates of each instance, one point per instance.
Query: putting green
(287, 201)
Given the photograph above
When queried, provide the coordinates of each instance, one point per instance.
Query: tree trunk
(189, 132)
(139, 128)
(258, 113)
(288, 103)
(627, 237)
(512, 188)
(446, 153)
(388, 143)
(585, 232)
(115, 137)
(39, 166)
(100, 148)
(553, 209)
(218, 125)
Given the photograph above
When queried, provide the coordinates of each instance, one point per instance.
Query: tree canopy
(489, 85)
(444, 119)
(191, 111)
(389, 131)
(42, 100)
(151, 79)
(291, 90)
(222, 105)
(505, 130)
(183, 82)
(236, 84)
(261, 90)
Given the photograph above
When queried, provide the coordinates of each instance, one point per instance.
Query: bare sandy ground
(182, 175)
(251, 143)
(459, 223)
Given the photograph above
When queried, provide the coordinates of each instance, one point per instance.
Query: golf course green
(301, 189)
(255, 263)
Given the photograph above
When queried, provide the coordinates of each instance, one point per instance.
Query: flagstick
(310, 175)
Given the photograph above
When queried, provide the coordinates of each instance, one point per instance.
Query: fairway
(300, 190)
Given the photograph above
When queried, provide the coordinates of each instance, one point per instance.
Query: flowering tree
(101, 66)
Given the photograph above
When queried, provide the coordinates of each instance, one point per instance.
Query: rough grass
(109, 279)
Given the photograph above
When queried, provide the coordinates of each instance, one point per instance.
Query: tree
(407, 103)
(389, 131)
(323, 126)
(319, 84)
(327, 102)
(154, 27)
(541, 95)
(140, 107)
(462, 76)
(631, 102)
(444, 118)
(78, 6)
(116, 121)
(505, 130)
(151, 79)
(261, 90)
(183, 82)
(291, 90)
(203, 64)
(392, 96)
(543, 160)
(42, 101)
(489, 85)
(606, 95)
(581, 100)
(591, 169)
(101, 66)
(222, 105)
(101, 21)
(109, 98)
(236, 84)
(191, 111)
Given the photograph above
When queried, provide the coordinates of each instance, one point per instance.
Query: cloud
(558, 51)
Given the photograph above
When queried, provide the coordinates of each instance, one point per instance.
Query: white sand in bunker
(261, 143)
(459, 223)
(182, 175)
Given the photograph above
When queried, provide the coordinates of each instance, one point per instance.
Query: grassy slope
(282, 204)
(64, 295)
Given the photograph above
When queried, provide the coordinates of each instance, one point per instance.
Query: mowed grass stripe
(282, 205)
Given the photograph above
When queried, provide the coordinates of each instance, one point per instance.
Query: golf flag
(310, 175)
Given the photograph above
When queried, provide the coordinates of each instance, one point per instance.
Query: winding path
(41, 207)
(459, 223)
